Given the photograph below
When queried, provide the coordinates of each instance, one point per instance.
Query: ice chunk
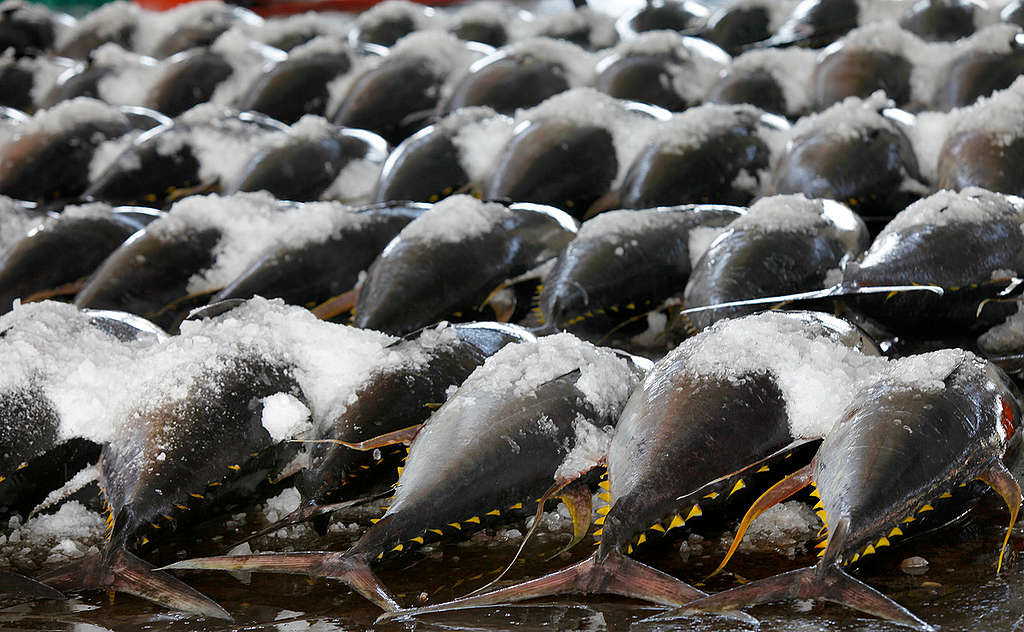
(82, 370)
(695, 126)
(970, 206)
(355, 183)
(285, 417)
(330, 361)
(281, 505)
(132, 76)
(455, 218)
(220, 139)
(479, 135)
(849, 119)
(443, 51)
(68, 114)
(68, 534)
(818, 376)
(789, 213)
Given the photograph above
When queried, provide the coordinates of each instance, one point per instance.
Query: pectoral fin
(338, 305)
(998, 478)
(775, 494)
(404, 436)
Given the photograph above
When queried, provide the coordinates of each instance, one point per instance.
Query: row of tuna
(731, 421)
(443, 61)
(579, 150)
(945, 268)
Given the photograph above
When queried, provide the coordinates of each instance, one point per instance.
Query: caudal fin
(828, 583)
(354, 572)
(15, 589)
(615, 575)
(123, 572)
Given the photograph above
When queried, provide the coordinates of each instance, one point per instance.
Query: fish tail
(999, 478)
(16, 588)
(827, 583)
(353, 571)
(120, 571)
(615, 574)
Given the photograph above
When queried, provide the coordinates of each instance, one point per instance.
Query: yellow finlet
(641, 539)
(418, 539)
(456, 525)
(677, 521)
(374, 520)
(694, 512)
(599, 520)
(398, 547)
(493, 512)
(763, 468)
(200, 496)
(856, 556)
(657, 527)
(436, 531)
(605, 485)
(814, 493)
(821, 545)
(738, 486)
(712, 495)
(882, 541)
(945, 495)
(908, 519)
(517, 506)
(629, 549)
(474, 519)
(926, 507)
(604, 510)
(182, 507)
(598, 532)
(235, 467)
(868, 550)
(895, 532)
(400, 470)
(605, 496)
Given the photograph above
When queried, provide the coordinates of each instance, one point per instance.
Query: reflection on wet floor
(958, 591)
